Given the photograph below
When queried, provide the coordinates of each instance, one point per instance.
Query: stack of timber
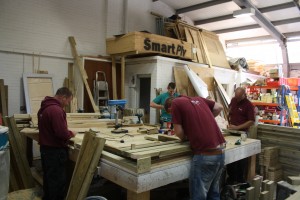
(24, 120)
(287, 139)
(209, 49)
(20, 174)
(3, 99)
(86, 164)
(136, 151)
(270, 167)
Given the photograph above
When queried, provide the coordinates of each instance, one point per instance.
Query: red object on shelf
(271, 82)
(293, 81)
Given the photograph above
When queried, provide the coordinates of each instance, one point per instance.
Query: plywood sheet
(206, 74)
(36, 87)
(215, 49)
(183, 84)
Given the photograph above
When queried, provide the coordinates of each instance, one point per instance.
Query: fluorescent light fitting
(244, 12)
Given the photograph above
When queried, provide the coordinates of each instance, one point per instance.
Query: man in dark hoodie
(53, 138)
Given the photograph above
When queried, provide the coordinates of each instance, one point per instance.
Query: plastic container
(120, 102)
(272, 82)
(293, 81)
(3, 137)
(5, 162)
(95, 198)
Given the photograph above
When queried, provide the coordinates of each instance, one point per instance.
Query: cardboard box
(147, 43)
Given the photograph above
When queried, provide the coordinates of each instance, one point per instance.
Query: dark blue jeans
(54, 164)
(205, 175)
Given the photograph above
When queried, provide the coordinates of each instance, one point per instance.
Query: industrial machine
(116, 107)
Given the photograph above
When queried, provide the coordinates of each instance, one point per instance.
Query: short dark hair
(168, 103)
(64, 91)
(172, 85)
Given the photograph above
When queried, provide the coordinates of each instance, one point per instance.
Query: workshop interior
(150, 99)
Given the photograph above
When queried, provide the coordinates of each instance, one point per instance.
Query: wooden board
(215, 49)
(206, 74)
(183, 83)
(199, 85)
(146, 43)
(3, 99)
(82, 71)
(36, 87)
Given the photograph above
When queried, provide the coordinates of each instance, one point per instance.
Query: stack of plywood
(269, 164)
(287, 139)
(208, 47)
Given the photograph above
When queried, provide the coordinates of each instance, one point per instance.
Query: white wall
(42, 28)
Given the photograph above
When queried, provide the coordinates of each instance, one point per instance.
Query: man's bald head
(240, 93)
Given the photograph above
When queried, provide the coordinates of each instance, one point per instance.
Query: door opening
(144, 97)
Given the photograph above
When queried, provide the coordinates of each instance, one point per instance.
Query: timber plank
(22, 165)
(85, 166)
(250, 193)
(3, 99)
(82, 72)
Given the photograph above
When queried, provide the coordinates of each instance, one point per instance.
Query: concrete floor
(111, 191)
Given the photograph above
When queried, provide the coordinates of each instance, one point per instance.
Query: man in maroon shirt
(194, 119)
(241, 117)
(53, 138)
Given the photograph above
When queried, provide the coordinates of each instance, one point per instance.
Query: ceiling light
(244, 12)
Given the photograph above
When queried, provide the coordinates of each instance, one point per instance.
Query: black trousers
(237, 171)
(54, 164)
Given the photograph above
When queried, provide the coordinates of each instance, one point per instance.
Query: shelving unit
(280, 107)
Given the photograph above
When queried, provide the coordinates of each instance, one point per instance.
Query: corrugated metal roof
(274, 18)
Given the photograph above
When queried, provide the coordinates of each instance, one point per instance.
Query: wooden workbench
(140, 164)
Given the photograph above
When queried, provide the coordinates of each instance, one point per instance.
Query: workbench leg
(251, 168)
(138, 196)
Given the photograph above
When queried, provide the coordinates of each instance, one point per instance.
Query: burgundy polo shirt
(241, 112)
(199, 125)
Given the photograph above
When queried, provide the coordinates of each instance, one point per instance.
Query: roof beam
(277, 7)
(262, 10)
(201, 6)
(266, 37)
(297, 3)
(253, 26)
(262, 21)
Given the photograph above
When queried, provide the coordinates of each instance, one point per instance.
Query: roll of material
(199, 85)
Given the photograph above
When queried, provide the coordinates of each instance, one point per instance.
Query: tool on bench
(234, 132)
(117, 106)
(148, 130)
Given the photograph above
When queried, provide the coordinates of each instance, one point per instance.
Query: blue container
(120, 102)
(3, 137)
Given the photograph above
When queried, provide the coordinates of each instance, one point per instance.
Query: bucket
(95, 198)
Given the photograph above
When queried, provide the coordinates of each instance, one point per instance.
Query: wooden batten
(82, 72)
(20, 170)
(85, 167)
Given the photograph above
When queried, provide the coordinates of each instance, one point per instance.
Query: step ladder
(101, 93)
(293, 113)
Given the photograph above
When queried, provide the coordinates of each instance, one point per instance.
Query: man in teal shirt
(159, 102)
